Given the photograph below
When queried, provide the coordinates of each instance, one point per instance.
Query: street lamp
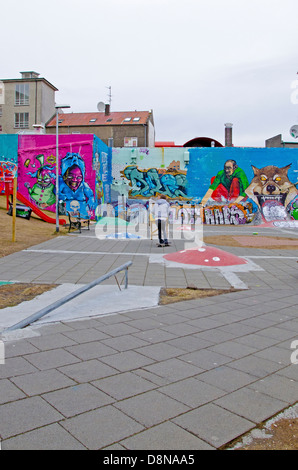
(58, 106)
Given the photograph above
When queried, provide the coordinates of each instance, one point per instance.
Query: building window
(136, 119)
(22, 94)
(128, 119)
(130, 141)
(21, 120)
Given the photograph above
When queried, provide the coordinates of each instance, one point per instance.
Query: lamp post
(58, 106)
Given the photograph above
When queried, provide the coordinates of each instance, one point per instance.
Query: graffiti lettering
(151, 182)
(232, 214)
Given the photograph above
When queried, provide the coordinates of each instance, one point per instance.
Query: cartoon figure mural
(43, 191)
(73, 187)
(81, 161)
(228, 185)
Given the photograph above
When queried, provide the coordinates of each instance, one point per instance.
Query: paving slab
(189, 375)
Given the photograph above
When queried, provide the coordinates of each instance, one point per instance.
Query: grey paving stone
(190, 343)
(214, 424)
(165, 436)
(278, 333)
(256, 341)
(25, 415)
(51, 359)
(42, 382)
(15, 366)
(51, 341)
(173, 369)
(77, 399)
(99, 428)
(256, 366)
(192, 392)
(227, 378)
(151, 408)
(51, 437)
(88, 370)
(92, 350)
(124, 385)
(160, 351)
(205, 359)
(277, 386)
(276, 354)
(232, 349)
(9, 392)
(124, 343)
(126, 360)
(251, 404)
(154, 336)
(184, 329)
(19, 348)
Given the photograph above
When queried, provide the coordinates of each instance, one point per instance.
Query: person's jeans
(162, 232)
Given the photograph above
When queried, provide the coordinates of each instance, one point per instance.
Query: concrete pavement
(190, 375)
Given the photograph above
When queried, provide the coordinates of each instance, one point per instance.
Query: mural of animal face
(271, 181)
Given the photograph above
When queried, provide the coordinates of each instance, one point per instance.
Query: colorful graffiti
(42, 191)
(273, 192)
(231, 214)
(228, 185)
(8, 158)
(154, 181)
(77, 177)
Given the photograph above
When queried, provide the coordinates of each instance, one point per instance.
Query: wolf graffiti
(272, 191)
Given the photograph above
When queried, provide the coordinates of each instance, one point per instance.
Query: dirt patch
(14, 294)
(278, 433)
(28, 232)
(254, 241)
(171, 295)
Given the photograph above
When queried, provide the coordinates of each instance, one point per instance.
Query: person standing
(161, 214)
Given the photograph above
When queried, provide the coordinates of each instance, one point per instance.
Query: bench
(77, 222)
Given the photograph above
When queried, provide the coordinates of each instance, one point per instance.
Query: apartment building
(25, 102)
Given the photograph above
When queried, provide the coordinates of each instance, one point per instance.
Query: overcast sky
(197, 64)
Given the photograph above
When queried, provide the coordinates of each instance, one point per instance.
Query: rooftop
(101, 118)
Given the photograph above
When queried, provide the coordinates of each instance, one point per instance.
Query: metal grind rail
(41, 313)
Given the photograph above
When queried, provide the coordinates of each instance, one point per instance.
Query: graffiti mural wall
(220, 185)
(239, 185)
(233, 185)
(143, 173)
(78, 172)
(8, 158)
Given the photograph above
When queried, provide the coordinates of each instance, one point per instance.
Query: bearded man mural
(228, 185)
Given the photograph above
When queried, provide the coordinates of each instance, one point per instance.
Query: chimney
(228, 135)
(107, 109)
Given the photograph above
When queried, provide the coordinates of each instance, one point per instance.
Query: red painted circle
(205, 256)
